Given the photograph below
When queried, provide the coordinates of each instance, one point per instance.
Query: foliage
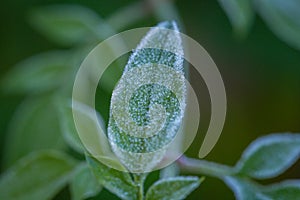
(174, 188)
(84, 184)
(37, 176)
(35, 172)
(281, 16)
(267, 157)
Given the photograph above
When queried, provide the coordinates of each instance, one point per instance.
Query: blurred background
(256, 46)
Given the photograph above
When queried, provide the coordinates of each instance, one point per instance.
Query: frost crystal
(148, 103)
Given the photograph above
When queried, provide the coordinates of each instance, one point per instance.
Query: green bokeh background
(261, 75)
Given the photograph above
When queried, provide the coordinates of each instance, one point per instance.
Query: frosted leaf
(269, 156)
(174, 188)
(148, 102)
(117, 182)
(245, 189)
(139, 162)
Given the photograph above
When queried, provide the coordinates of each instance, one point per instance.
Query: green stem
(204, 167)
(139, 180)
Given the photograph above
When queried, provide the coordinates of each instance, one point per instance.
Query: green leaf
(92, 135)
(174, 188)
(148, 103)
(244, 189)
(286, 190)
(270, 155)
(67, 125)
(38, 176)
(117, 182)
(35, 126)
(39, 73)
(282, 17)
(83, 183)
(69, 24)
(240, 14)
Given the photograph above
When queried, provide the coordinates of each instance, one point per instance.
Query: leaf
(240, 14)
(83, 183)
(148, 103)
(35, 126)
(69, 24)
(37, 176)
(270, 155)
(37, 74)
(244, 189)
(282, 17)
(175, 188)
(286, 190)
(92, 135)
(67, 125)
(117, 182)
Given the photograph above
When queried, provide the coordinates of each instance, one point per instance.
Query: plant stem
(139, 180)
(204, 167)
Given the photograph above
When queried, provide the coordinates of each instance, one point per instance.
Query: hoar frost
(148, 102)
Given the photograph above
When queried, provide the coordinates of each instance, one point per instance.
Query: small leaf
(37, 74)
(270, 155)
(286, 190)
(282, 17)
(175, 188)
(92, 135)
(38, 176)
(83, 183)
(117, 182)
(244, 189)
(240, 14)
(35, 126)
(67, 125)
(69, 24)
